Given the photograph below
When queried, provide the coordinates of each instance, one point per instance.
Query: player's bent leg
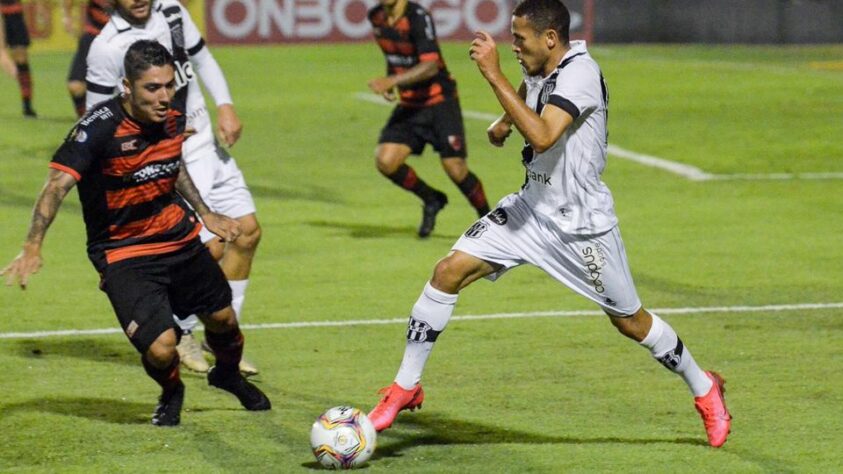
(468, 183)
(222, 333)
(161, 362)
(21, 58)
(667, 348)
(390, 160)
(428, 319)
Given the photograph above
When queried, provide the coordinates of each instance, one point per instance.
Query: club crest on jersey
(455, 141)
(498, 216)
(80, 136)
(548, 88)
(476, 230)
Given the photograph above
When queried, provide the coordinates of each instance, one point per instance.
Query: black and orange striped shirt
(126, 173)
(408, 42)
(97, 13)
(10, 7)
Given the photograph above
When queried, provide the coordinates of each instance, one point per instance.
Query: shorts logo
(131, 329)
(593, 268)
(498, 216)
(420, 331)
(476, 230)
(455, 141)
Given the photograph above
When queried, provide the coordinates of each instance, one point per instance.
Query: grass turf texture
(543, 394)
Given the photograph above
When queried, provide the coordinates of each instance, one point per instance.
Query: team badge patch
(131, 329)
(476, 230)
(498, 216)
(420, 331)
(455, 141)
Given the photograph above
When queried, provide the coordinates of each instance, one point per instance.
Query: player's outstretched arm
(421, 72)
(541, 132)
(47, 206)
(225, 227)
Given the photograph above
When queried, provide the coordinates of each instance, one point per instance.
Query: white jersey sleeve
(105, 70)
(207, 67)
(577, 89)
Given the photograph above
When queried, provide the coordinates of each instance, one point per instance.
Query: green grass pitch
(537, 394)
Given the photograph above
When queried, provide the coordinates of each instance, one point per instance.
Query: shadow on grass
(423, 430)
(107, 410)
(368, 231)
(313, 194)
(113, 350)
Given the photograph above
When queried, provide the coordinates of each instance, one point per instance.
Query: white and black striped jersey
(564, 182)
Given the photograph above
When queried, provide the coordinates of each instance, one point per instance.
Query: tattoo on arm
(47, 206)
(185, 187)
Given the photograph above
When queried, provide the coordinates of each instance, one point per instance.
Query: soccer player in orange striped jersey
(428, 109)
(125, 156)
(97, 13)
(16, 38)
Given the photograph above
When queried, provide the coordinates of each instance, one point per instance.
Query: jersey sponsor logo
(541, 178)
(101, 113)
(153, 171)
(476, 230)
(594, 261)
(400, 60)
(130, 145)
(498, 216)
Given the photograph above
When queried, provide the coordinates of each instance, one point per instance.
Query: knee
(447, 276)
(387, 165)
(216, 248)
(250, 236)
(162, 352)
(222, 321)
(456, 169)
(636, 326)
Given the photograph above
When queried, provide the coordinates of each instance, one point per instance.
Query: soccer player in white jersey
(212, 169)
(562, 220)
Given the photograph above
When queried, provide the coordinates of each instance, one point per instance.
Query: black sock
(472, 188)
(168, 378)
(227, 348)
(406, 177)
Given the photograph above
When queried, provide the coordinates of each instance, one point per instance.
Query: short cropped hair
(546, 15)
(143, 55)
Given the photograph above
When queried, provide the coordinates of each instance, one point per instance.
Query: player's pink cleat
(712, 408)
(395, 399)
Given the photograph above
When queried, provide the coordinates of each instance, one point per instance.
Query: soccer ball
(343, 437)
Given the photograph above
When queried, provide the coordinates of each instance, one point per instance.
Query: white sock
(429, 317)
(238, 294)
(187, 324)
(667, 348)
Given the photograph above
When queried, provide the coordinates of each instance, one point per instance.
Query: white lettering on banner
(259, 21)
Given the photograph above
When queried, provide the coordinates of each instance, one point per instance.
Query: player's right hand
(226, 228)
(21, 268)
(499, 131)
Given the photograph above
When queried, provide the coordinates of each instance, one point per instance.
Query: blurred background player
(7, 65)
(17, 40)
(96, 16)
(428, 110)
(211, 167)
(125, 157)
(562, 220)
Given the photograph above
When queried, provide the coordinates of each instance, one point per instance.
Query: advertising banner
(297, 21)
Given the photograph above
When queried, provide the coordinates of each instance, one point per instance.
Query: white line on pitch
(474, 317)
(689, 172)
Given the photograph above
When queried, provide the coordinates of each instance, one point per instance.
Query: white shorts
(594, 266)
(220, 183)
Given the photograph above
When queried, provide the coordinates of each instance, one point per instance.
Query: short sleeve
(84, 144)
(105, 69)
(424, 36)
(578, 90)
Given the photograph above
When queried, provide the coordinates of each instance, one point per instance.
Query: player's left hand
(21, 268)
(228, 125)
(226, 228)
(7, 64)
(384, 86)
(484, 52)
